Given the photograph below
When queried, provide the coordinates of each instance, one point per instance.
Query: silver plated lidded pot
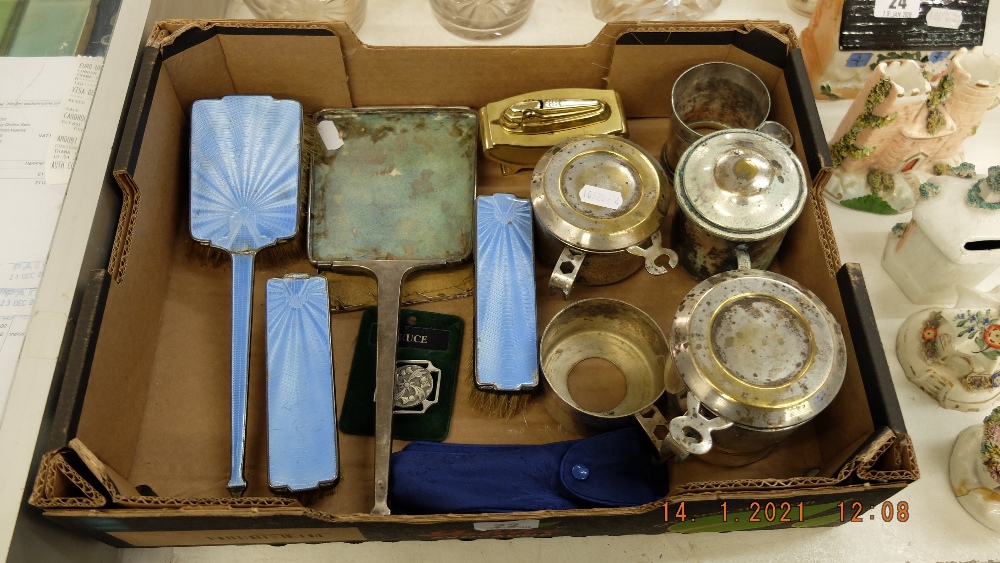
(735, 187)
(758, 356)
(598, 202)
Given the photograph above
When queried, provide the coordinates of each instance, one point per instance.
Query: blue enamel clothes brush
(506, 369)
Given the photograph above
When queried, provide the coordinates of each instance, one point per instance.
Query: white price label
(897, 8)
(608, 199)
(329, 135)
(944, 17)
(508, 525)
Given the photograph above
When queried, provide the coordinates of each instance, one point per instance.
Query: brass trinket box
(517, 131)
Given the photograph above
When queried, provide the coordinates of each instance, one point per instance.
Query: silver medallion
(416, 386)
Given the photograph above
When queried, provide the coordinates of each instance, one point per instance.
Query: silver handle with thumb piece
(654, 251)
(690, 433)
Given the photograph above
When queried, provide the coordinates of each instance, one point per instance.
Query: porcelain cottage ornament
(847, 39)
(952, 239)
(954, 354)
(892, 139)
(975, 470)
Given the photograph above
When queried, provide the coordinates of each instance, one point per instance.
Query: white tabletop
(938, 528)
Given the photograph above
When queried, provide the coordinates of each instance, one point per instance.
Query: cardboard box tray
(141, 452)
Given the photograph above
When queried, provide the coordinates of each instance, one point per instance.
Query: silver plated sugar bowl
(598, 202)
(758, 356)
(735, 187)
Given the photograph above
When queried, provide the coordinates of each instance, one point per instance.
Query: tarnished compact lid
(598, 192)
(758, 349)
(740, 185)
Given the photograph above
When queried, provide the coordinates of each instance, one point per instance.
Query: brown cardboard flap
(888, 457)
(323, 85)
(635, 73)
(229, 536)
(834, 473)
(647, 60)
(130, 326)
(725, 487)
(840, 466)
(314, 50)
(203, 503)
(113, 483)
(126, 223)
(59, 485)
(167, 32)
(892, 459)
(827, 238)
(124, 493)
(201, 76)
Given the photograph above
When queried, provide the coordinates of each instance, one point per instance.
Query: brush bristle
(312, 144)
(497, 404)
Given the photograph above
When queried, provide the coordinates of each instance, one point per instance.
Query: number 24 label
(897, 8)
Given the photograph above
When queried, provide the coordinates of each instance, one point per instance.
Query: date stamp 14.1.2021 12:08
(767, 513)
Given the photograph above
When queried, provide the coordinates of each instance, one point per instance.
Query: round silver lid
(758, 349)
(740, 185)
(598, 192)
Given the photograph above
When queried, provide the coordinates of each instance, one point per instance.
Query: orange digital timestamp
(776, 512)
(900, 512)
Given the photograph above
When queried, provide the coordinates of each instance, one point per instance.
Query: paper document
(44, 104)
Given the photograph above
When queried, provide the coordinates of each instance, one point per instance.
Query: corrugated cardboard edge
(770, 484)
(869, 464)
(174, 502)
(898, 455)
(54, 467)
(126, 224)
(167, 31)
(827, 238)
(54, 470)
(489, 517)
(124, 493)
(777, 29)
(112, 482)
(901, 467)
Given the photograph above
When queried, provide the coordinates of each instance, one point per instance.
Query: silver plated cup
(711, 97)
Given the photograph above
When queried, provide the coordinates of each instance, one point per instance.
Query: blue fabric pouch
(607, 470)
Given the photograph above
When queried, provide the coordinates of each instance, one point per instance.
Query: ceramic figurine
(952, 239)
(847, 39)
(954, 354)
(975, 470)
(892, 139)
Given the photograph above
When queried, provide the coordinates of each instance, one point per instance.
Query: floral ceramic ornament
(895, 137)
(953, 238)
(975, 470)
(954, 354)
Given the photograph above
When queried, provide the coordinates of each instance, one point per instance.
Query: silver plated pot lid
(740, 185)
(758, 349)
(599, 193)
